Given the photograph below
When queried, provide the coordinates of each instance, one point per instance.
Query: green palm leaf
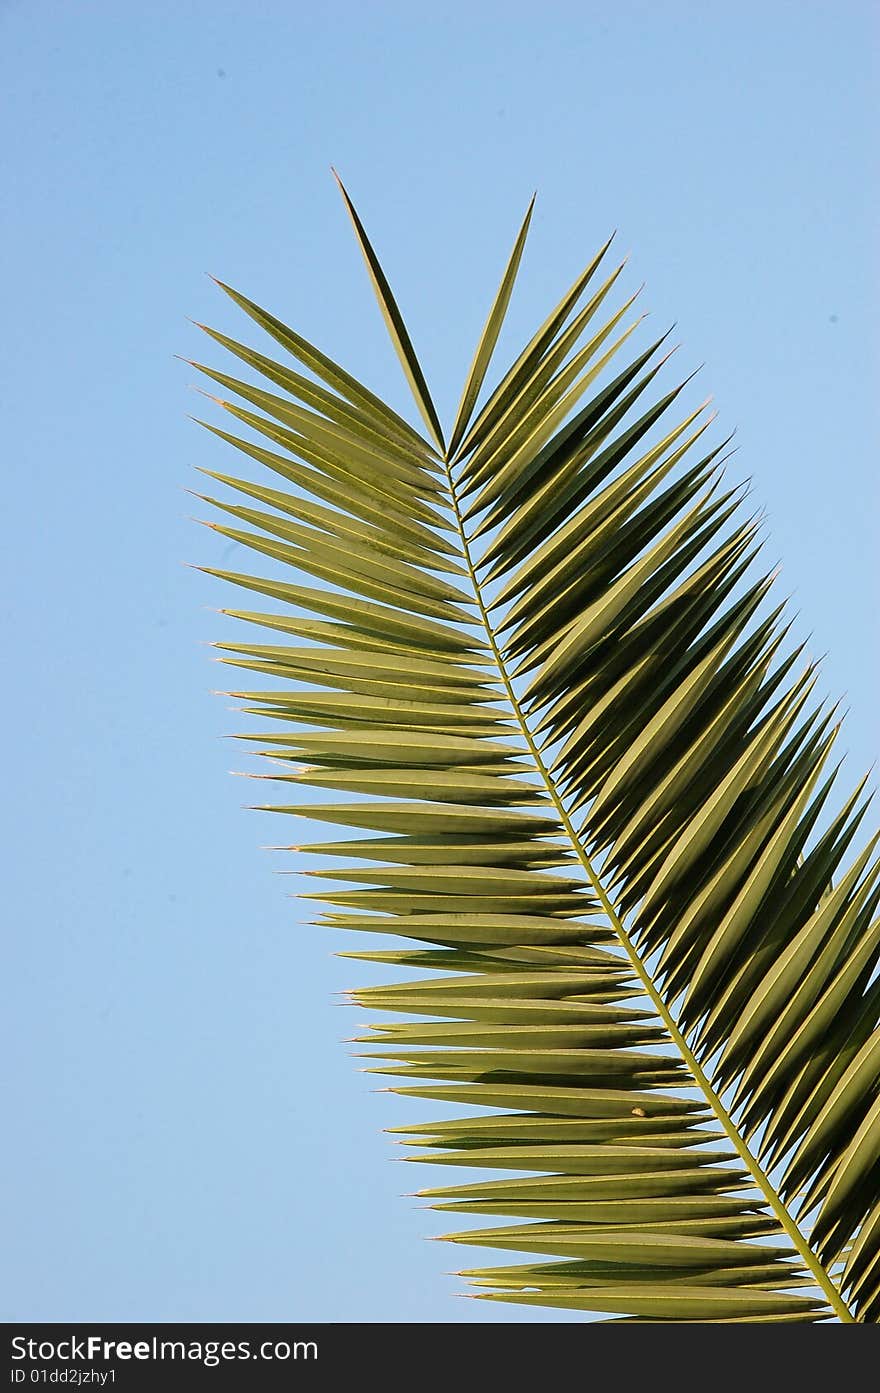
(540, 682)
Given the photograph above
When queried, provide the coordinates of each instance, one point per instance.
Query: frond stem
(761, 1179)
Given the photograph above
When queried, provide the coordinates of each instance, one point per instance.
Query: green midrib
(761, 1179)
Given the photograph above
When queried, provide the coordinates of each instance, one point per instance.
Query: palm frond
(547, 686)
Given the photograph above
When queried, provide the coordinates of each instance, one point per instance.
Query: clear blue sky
(187, 1138)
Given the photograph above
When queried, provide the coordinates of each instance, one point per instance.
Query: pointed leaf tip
(394, 323)
(489, 337)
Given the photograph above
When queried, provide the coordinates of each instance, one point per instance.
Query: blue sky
(188, 1139)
